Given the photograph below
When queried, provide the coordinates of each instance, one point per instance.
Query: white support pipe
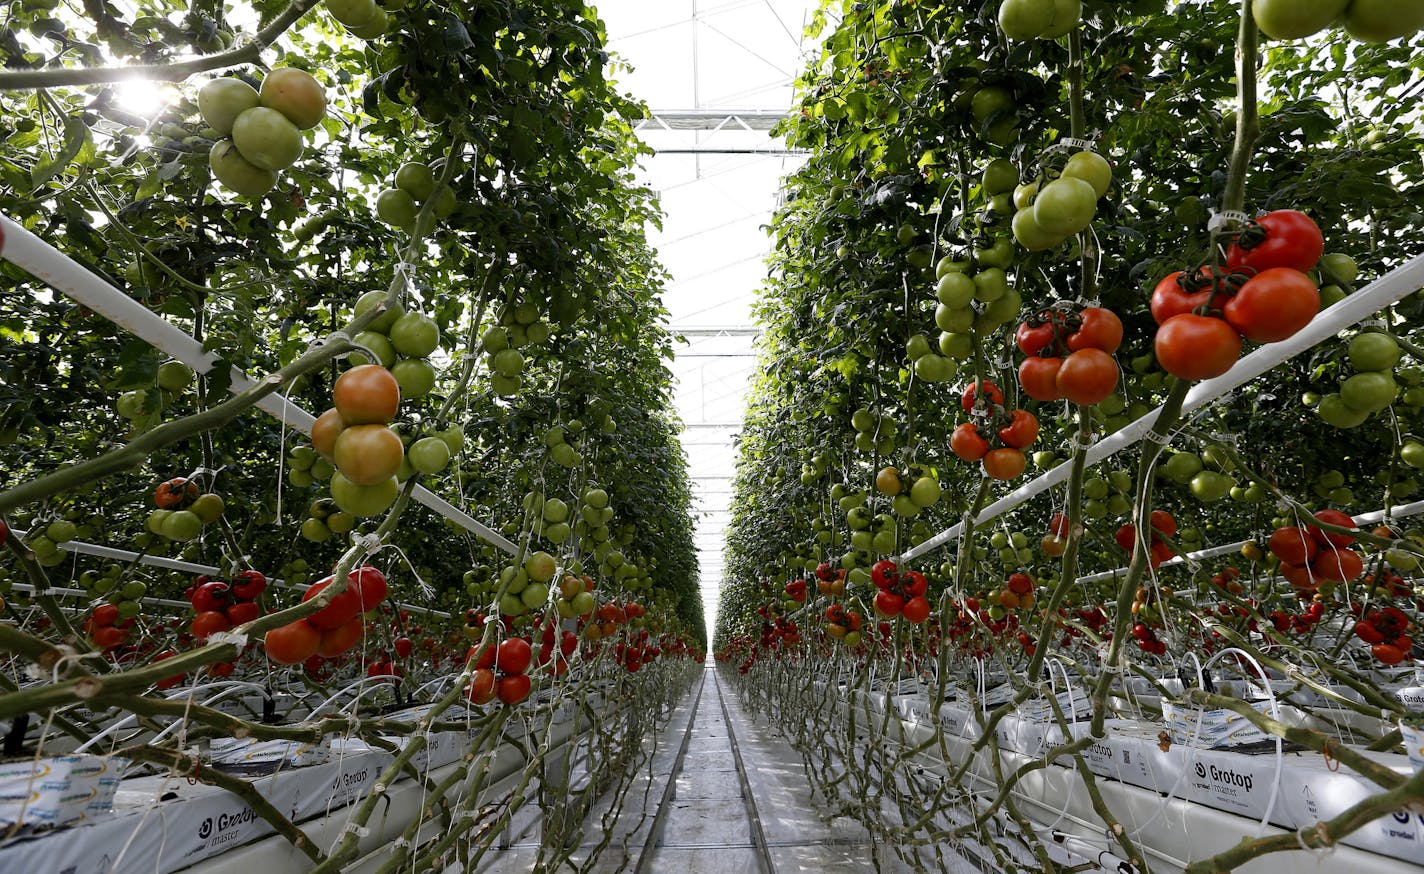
(187, 567)
(64, 274)
(1385, 291)
(1400, 512)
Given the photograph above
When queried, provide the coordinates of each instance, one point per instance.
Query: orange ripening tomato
(966, 443)
(293, 643)
(1004, 464)
(366, 395)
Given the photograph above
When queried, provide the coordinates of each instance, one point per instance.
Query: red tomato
(1327, 539)
(1387, 653)
(966, 443)
(173, 492)
(222, 669)
(888, 603)
(1087, 376)
(210, 596)
(1195, 347)
(884, 574)
(293, 643)
(1038, 377)
(1020, 584)
(404, 647)
(1161, 521)
(209, 622)
(1293, 545)
(481, 688)
(914, 584)
(991, 391)
(1338, 564)
(335, 614)
(1160, 552)
(249, 585)
(917, 609)
(1300, 576)
(514, 655)
(370, 586)
(105, 615)
(1101, 329)
(1292, 240)
(1021, 431)
(1032, 339)
(486, 657)
(338, 640)
(242, 612)
(515, 688)
(108, 636)
(1273, 305)
(1366, 631)
(1170, 299)
(1004, 464)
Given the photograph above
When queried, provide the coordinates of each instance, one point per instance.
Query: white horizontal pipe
(1385, 291)
(64, 274)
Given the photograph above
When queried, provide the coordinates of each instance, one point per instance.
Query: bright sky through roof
(725, 56)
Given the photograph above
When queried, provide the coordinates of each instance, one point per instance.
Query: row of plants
(1022, 227)
(419, 223)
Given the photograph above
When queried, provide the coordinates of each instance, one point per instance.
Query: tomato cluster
(333, 629)
(830, 581)
(221, 606)
(1265, 297)
(1069, 354)
(1385, 631)
(106, 628)
(843, 625)
(1011, 433)
(501, 672)
(182, 511)
(900, 594)
(1311, 555)
(1163, 526)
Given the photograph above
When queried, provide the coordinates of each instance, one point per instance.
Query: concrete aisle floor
(707, 826)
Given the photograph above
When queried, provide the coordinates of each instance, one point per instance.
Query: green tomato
(1066, 16)
(1340, 267)
(1335, 412)
(174, 376)
(377, 26)
(352, 13)
(379, 345)
(182, 526)
(1091, 168)
(1182, 466)
(415, 376)
(237, 173)
(1065, 206)
(221, 101)
(61, 531)
(429, 455)
(369, 301)
(1412, 454)
(1031, 235)
(1369, 392)
(1025, 19)
(1295, 19)
(267, 139)
(1383, 20)
(989, 100)
(416, 180)
(955, 290)
(395, 206)
(1000, 177)
(597, 498)
(1373, 351)
(935, 368)
(917, 347)
(1209, 486)
(925, 492)
(1331, 295)
(340, 522)
(363, 501)
(507, 362)
(534, 595)
(953, 321)
(989, 285)
(1000, 255)
(948, 264)
(415, 335)
(958, 347)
